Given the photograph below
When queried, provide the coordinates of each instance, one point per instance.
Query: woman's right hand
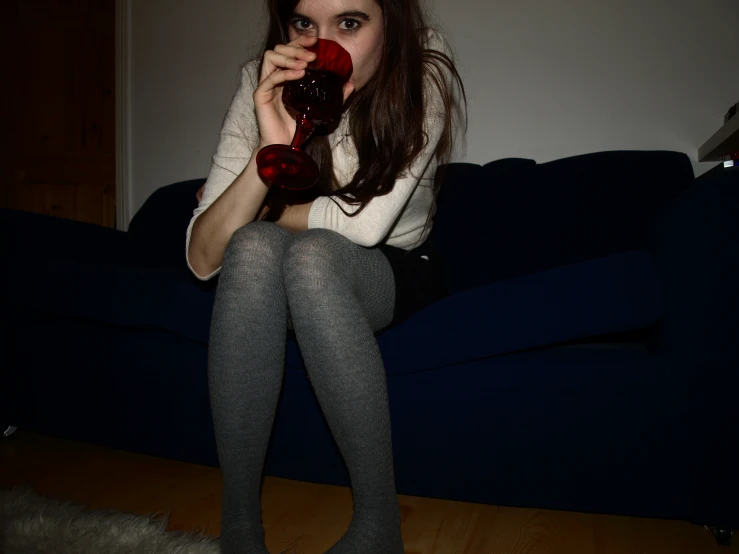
(287, 62)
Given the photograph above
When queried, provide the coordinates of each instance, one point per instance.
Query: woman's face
(357, 25)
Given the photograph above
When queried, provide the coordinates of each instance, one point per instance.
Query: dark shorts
(419, 279)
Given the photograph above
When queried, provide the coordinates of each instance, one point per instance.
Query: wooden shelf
(723, 143)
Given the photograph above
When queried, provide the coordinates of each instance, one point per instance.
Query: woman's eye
(349, 25)
(301, 24)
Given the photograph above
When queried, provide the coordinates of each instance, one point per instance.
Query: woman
(335, 268)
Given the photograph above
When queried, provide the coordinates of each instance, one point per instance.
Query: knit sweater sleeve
(405, 209)
(239, 137)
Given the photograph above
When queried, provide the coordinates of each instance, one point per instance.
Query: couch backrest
(514, 217)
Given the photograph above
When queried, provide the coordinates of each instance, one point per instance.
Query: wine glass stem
(302, 132)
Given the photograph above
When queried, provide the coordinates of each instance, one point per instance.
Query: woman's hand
(287, 62)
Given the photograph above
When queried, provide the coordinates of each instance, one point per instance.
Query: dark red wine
(319, 95)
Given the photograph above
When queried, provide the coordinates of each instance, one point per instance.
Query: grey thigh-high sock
(338, 294)
(245, 369)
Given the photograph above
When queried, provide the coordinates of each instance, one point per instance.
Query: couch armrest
(695, 243)
(158, 229)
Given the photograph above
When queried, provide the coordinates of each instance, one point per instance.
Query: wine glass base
(283, 166)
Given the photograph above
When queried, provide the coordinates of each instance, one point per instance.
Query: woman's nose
(326, 35)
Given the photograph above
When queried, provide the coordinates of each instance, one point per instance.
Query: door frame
(122, 114)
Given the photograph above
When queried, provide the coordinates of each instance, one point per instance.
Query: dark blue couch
(586, 358)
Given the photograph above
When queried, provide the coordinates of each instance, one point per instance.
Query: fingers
(277, 78)
(286, 62)
(288, 56)
(303, 40)
(296, 51)
(279, 59)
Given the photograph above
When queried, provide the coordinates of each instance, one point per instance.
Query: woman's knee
(322, 266)
(314, 255)
(258, 242)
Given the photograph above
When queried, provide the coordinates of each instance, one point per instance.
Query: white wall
(185, 63)
(544, 79)
(549, 79)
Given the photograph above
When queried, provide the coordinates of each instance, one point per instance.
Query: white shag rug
(33, 524)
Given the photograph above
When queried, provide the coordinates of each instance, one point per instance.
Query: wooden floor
(308, 518)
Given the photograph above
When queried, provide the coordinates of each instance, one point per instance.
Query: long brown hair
(386, 116)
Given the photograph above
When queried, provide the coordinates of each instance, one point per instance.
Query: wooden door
(57, 106)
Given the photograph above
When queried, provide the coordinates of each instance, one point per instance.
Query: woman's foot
(243, 539)
(369, 538)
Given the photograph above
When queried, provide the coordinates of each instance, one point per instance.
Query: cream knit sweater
(401, 218)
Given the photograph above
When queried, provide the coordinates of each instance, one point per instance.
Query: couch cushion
(122, 295)
(513, 218)
(92, 273)
(28, 236)
(597, 297)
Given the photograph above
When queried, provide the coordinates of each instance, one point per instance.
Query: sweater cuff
(317, 214)
(187, 253)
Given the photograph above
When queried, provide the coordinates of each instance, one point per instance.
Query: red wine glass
(315, 99)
